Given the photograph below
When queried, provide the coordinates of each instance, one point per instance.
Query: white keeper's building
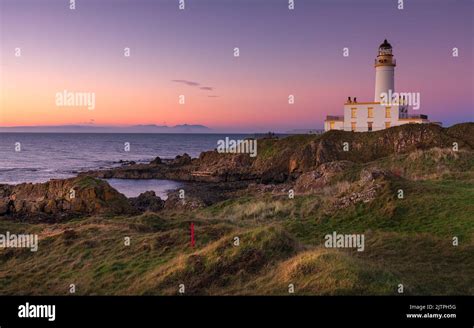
(376, 115)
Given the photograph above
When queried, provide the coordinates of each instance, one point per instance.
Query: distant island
(149, 128)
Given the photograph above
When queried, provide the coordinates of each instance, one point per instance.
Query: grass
(431, 164)
(442, 208)
(270, 148)
(407, 241)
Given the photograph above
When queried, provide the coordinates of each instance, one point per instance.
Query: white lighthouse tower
(382, 113)
(384, 71)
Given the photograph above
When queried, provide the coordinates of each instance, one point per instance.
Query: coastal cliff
(304, 163)
(280, 160)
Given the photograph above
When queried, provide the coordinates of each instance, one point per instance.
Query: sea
(39, 157)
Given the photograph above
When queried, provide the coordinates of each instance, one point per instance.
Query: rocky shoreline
(281, 160)
(305, 164)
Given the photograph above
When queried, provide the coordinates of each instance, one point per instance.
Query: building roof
(363, 103)
(385, 45)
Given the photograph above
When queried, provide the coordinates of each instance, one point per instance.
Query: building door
(369, 126)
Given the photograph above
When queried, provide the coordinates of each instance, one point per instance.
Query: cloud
(190, 83)
(194, 84)
(213, 96)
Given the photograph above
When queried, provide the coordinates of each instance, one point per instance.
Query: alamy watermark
(37, 311)
(336, 240)
(75, 99)
(247, 146)
(10, 240)
(401, 98)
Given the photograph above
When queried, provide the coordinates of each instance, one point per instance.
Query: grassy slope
(408, 241)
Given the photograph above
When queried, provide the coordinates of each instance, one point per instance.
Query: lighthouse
(384, 71)
(382, 113)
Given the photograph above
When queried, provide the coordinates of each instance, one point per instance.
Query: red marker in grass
(192, 235)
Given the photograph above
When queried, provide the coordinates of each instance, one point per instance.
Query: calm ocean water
(44, 156)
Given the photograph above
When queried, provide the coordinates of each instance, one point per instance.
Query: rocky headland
(280, 160)
(302, 163)
(409, 190)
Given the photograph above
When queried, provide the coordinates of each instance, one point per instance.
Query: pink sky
(282, 53)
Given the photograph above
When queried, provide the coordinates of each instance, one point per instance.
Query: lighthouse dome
(385, 45)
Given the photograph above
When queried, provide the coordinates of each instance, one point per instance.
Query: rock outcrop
(181, 160)
(314, 180)
(147, 201)
(371, 182)
(156, 161)
(62, 198)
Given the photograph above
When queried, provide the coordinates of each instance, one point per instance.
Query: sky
(191, 52)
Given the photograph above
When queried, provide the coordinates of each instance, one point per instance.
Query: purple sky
(282, 52)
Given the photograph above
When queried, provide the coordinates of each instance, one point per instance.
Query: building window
(387, 112)
(369, 126)
(370, 112)
(353, 112)
(353, 126)
(387, 125)
(331, 125)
